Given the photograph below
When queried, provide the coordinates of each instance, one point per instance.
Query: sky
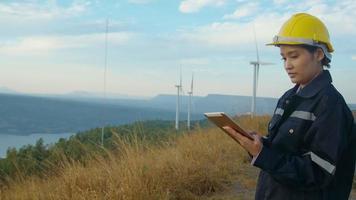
(58, 47)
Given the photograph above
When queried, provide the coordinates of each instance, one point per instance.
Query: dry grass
(198, 165)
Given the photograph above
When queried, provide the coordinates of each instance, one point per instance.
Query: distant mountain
(85, 94)
(5, 90)
(32, 114)
(212, 102)
(26, 114)
(232, 104)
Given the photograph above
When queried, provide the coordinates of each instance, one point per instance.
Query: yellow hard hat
(303, 28)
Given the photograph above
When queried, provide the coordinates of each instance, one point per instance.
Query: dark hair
(312, 49)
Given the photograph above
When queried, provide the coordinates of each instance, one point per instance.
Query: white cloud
(243, 11)
(46, 44)
(221, 34)
(338, 16)
(45, 11)
(231, 34)
(353, 57)
(190, 6)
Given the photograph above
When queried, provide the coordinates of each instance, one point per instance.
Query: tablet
(220, 119)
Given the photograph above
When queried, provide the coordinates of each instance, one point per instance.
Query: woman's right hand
(254, 146)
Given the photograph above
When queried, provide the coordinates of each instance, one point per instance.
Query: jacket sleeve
(315, 168)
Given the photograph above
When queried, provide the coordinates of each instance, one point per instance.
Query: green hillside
(40, 158)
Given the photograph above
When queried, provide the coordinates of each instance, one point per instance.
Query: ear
(319, 54)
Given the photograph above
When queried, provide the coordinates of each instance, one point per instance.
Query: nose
(287, 64)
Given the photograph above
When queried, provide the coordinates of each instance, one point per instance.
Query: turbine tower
(105, 76)
(179, 90)
(190, 101)
(256, 68)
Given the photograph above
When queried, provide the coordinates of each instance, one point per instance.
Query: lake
(18, 141)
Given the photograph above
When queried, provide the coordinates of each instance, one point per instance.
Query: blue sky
(58, 46)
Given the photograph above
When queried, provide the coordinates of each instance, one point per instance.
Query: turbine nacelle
(254, 63)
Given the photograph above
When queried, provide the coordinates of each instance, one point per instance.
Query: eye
(284, 59)
(294, 56)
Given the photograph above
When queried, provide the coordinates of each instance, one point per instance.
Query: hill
(7, 90)
(231, 104)
(199, 164)
(23, 115)
(40, 158)
(27, 114)
(202, 164)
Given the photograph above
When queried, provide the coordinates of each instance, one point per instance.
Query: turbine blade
(266, 63)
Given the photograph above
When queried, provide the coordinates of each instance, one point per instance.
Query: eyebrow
(290, 52)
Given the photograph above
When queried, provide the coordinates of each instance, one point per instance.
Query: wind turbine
(256, 68)
(190, 101)
(179, 90)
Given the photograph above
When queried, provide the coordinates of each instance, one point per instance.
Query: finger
(242, 139)
(257, 140)
(232, 133)
(255, 137)
(254, 133)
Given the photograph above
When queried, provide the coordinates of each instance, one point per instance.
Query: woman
(309, 150)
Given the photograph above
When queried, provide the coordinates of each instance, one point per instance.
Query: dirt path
(244, 188)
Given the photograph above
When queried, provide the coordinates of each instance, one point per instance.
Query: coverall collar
(319, 82)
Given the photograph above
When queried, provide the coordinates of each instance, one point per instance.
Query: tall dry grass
(196, 165)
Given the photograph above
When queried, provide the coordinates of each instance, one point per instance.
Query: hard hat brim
(277, 41)
(280, 40)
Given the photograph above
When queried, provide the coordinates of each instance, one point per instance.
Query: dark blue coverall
(309, 152)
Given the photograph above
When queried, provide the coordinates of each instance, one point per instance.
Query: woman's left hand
(254, 147)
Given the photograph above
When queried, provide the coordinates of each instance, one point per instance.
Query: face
(301, 65)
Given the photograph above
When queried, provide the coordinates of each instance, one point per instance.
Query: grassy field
(204, 164)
